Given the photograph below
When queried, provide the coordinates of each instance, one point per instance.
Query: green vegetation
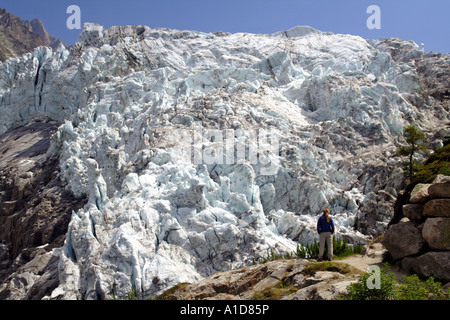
(361, 291)
(414, 139)
(275, 292)
(179, 287)
(130, 296)
(412, 288)
(437, 163)
(408, 288)
(312, 267)
(341, 249)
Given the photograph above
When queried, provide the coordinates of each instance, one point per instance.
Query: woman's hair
(325, 212)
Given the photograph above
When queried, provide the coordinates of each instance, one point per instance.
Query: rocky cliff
(35, 211)
(199, 152)
(19, 37)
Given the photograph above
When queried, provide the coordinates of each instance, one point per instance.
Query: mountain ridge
(19, 36)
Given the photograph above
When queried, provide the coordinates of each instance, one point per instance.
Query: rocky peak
(19, 37)
(37, 27)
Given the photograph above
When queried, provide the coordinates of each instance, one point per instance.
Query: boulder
(413, 211)
(420, 193)
(436, 232)
(436, 264)
(437, 208)
(439, 190)
(403, 239)
(322, 290)
(440, 178)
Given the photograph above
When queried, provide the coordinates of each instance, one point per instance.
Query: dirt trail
(362, 262)
(372, 256)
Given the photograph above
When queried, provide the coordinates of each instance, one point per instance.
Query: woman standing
(325, 228)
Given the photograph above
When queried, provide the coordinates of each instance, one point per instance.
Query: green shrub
(361, 291)
(409, 288)
(437, 163)
(274, 293)
(412, 288)
(310, 251)
(272, 256)
(312, 267)
(341, 249)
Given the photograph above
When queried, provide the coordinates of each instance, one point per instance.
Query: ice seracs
(126, 98)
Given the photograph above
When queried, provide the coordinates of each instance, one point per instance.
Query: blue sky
(422, 21)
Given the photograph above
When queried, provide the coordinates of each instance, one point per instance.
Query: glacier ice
(130, 100)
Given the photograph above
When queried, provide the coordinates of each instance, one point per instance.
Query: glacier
(200, 152)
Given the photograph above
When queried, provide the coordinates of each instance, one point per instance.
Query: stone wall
(420, 241)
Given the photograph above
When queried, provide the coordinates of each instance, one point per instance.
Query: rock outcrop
(420, 242)
(275, 280)
(19, 37)
(35, 211)
(403, 239)
(36, 26)
(291, 279)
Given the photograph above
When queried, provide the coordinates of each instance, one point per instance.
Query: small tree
(414, 137)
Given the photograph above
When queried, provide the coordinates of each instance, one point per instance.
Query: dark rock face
(37, 27)
(15, 37)
(18, 37)
(35, 211)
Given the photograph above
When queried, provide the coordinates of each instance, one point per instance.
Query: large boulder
(420, 193)
(436, 264)
(440, 178)
(436, 232)
(437, 208)
(413, 211)
(439, 190)
(403, 239)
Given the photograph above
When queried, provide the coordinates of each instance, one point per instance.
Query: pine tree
(414, 137)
